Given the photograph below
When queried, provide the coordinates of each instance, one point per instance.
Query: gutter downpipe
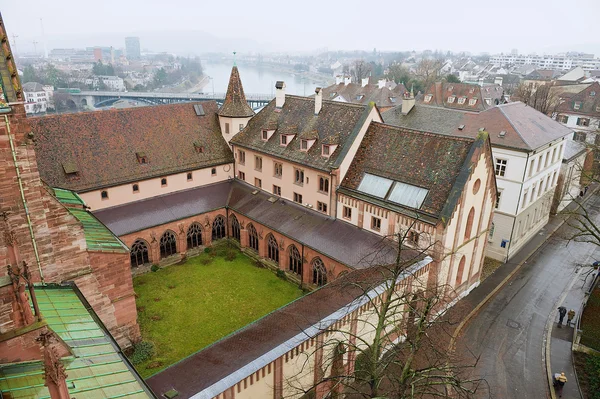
(31, 233)
(512, 231)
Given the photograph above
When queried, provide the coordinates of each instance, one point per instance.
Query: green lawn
(590, 321)
(183, 308)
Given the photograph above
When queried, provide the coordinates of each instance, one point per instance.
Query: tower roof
(235, 104)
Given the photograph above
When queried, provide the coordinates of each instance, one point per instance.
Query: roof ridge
(311, 99)
(441, 135)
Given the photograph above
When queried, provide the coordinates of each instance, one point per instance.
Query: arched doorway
(139, 253)
(252, 237)
(235, 228)
(295, 260)
(319, 272)
(272, 248)
(218, 228)
(194, 236)
(168, 244)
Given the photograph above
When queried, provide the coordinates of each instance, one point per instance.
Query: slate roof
(430, 161)
(525, 128)
(156, 211)
(441, 91)
(98, 369)
(354, 93)
(337, 120)
(588, 99)
(102, 147)
(543, 74)
(235, 104)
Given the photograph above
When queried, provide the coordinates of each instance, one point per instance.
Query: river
(259, 80)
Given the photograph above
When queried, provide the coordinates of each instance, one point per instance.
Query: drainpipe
(31, 233)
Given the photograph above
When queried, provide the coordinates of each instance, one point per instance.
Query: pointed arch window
(272, 249)
(319, 272)
(295, 263)
(235, 228)
(460, 271)
(168, 244)
(218, 228)
(469, 225)
(194, 236)
(252, 237)
(139, 254)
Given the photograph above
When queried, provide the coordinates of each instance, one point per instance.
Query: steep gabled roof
(91, 150)
(417, 160)
(355, 93)
(298, 117)
(485, 97)
(235, 104)
(587, 100)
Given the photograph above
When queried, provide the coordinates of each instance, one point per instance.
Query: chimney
(318, 100)
(338, 79)
(347, 80)
(481, 82)
(498, 80)
(381, 83)
(279, 94)
(365, 81)
(408, 102)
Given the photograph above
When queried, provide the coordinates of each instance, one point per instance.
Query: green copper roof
(97, 369)
(97, 236)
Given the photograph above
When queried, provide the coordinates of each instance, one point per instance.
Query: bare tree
(360, 69)
(399, 345)
(428, 71)
(543, 98)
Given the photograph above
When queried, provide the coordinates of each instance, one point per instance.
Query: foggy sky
(542, 26)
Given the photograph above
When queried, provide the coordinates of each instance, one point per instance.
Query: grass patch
(590, 321)
(588, 372)
(201, 301)
(489, 266)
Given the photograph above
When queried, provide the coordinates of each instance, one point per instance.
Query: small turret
(235, 112)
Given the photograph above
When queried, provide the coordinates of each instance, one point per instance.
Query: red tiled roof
(105, 147)
(588, 100)
(235, 104)
(440, 92)
(357, 94)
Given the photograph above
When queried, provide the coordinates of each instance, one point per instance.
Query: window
(428, 98)
(104, 195)
(500, 167)
(469, 225)
(265, 135)
(139, 254)
(375, 223)
(488, 101)
(347, 212)
(213, 172)
(472, 101)
(272, 249)
(461, 100)
(532, 193)
(258, 163)
(276, 190)
(577, 105)
(524, 202)
(531, 165)
(592, 93)
(163, 181)
(413, 237)
(189, 177)
(319, 272)
(580, 136)
(547, 159)
(554, 155)
(491, 232)
(277, 169)
(284, 140)
(136, 188)
(218, 228)
(241, 157)
(583, 121)
(241, 126)
(257, 182)
(194, 236)
(498, 196)
(451, 99)
(299, 176)
(242, 176)
(323, 184)
(563, 118)
(168, 244)
(226, 128)
(325, 151)
(235, 228)
(460, 271)
(304, 145)
(322, 207)
(252, 238)
(295, 260)
(298, 198)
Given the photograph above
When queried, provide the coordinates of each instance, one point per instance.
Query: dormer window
(359, 97)
(304, 145)
(393, 99)
(141, 157)
(198, 147)
(327, 149)
(332, 95)
(488, 101)
(428, 98)
(577, 105)
(284, 140)
(461, 100)
(450, 88)
(592, 93)
(472, 101)
(451, 99)
(472, 90)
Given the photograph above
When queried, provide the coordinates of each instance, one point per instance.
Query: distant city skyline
(266, 26)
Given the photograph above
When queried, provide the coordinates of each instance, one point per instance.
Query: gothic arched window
(194, 236)
(139, 253)
(273, 248)
(295, 260)
(168, 244)
(252, 237)
(218, 228)
(319, 272)
(235, 228)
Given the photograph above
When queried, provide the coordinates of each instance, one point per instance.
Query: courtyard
(186, 307)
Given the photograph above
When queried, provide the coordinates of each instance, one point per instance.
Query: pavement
(508, 319)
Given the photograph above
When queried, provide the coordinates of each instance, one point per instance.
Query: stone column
(278, 378)
(243, 238)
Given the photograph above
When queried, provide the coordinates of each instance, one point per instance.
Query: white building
(36, 97)
(114, 83)
(564, 62)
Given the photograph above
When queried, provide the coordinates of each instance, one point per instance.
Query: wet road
(509, 331)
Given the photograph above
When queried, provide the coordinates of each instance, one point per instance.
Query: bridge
(107, 98)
